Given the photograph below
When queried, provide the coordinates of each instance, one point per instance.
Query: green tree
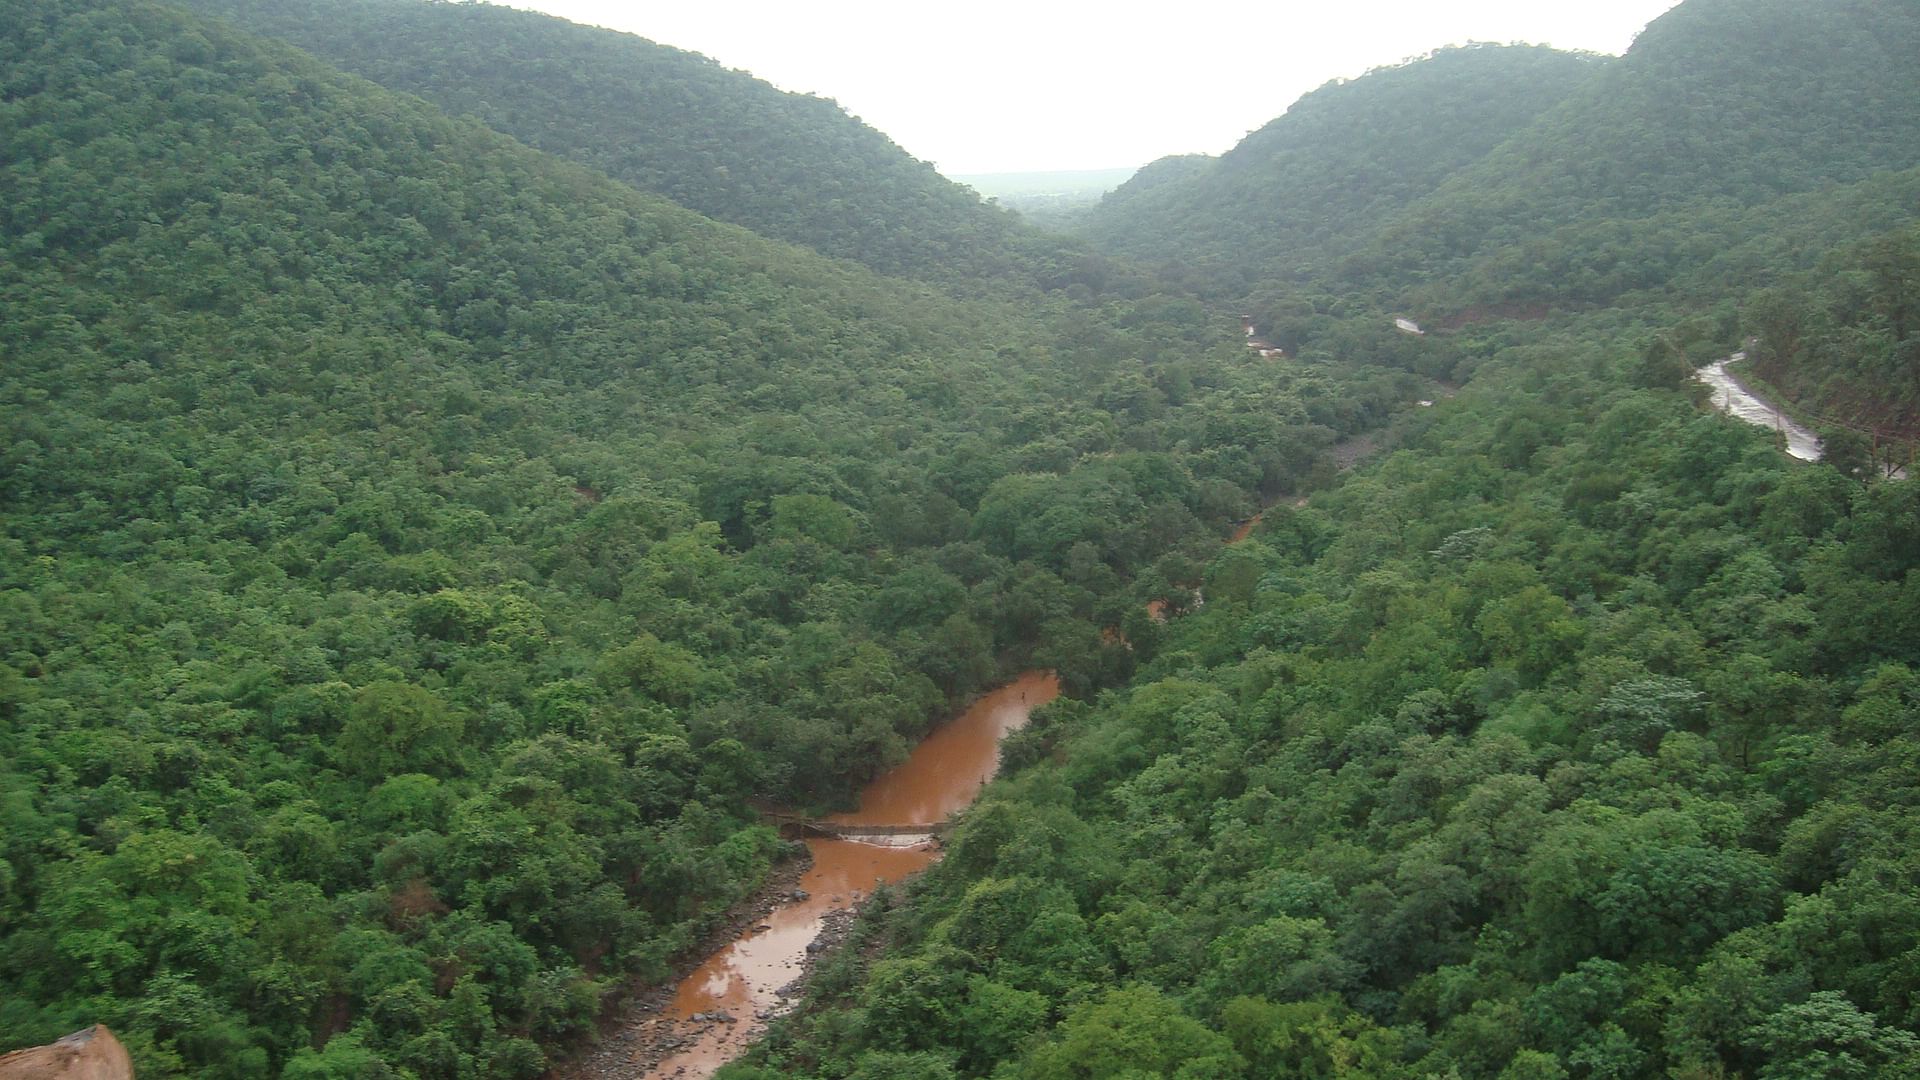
(395, 728)
(1827, 1036)
(1131, 1032)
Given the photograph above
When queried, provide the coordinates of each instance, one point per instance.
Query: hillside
(1843, 341)
(788, 166)
(417, 548)
(1340, 159)
(1738, 100)
(1722, 107)
(1512, 180)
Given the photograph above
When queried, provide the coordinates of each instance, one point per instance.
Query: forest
(1844, 340)
(447, 490)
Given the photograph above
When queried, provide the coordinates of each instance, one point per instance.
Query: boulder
(93, 1054)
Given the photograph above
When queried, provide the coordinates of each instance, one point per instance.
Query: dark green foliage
(1844, 343)
(1738, 99)
(1702, 137)
(417, 550)
(789, 166)
(1340, 159)
(1736, 141)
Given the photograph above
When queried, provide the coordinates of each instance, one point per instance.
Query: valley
(526, 552)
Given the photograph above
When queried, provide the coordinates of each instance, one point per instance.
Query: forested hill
(1339, 161)
(1721, 107)
(1726, 121)
(418, 547)
(789, 166)
(1740, 100)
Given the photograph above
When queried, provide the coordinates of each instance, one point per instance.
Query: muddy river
(744, 980)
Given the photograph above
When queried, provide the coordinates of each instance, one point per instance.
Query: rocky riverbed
(638, 1034)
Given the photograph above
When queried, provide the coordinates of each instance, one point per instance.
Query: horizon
(1071, 88)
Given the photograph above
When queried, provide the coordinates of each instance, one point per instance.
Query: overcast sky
(1006, 86)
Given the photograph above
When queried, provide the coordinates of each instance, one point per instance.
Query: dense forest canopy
(1737, 141)
(1844, 340)
(1724, 108)
(438, 500)
(1576, 739)
(1343, 157)
(418, 548)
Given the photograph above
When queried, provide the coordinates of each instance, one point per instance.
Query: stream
(724, 1004)
(1737, 401)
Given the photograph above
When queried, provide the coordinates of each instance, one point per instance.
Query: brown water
(743, 980)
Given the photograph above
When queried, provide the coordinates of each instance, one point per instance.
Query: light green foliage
(1433, 793)
(343, 1058)
(811, 517)
(395, 728)
(1826, 1036)
(1132, 1033)
(1314, 1040)
(1282, 958)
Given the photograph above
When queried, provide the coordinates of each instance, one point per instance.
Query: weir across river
(806, 826)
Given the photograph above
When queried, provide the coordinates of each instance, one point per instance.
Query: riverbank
(1734, 398)
(650, 1040)
(626, 1047)
(733, 985)
(1742, 401)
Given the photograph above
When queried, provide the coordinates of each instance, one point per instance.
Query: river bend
(743, 982)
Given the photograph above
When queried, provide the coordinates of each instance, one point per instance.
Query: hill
(1340, 160)
(1738, 100)
(788, 166)
(1441, 186)
(1720, 108)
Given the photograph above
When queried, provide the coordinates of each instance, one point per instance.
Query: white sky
(1005, 86)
